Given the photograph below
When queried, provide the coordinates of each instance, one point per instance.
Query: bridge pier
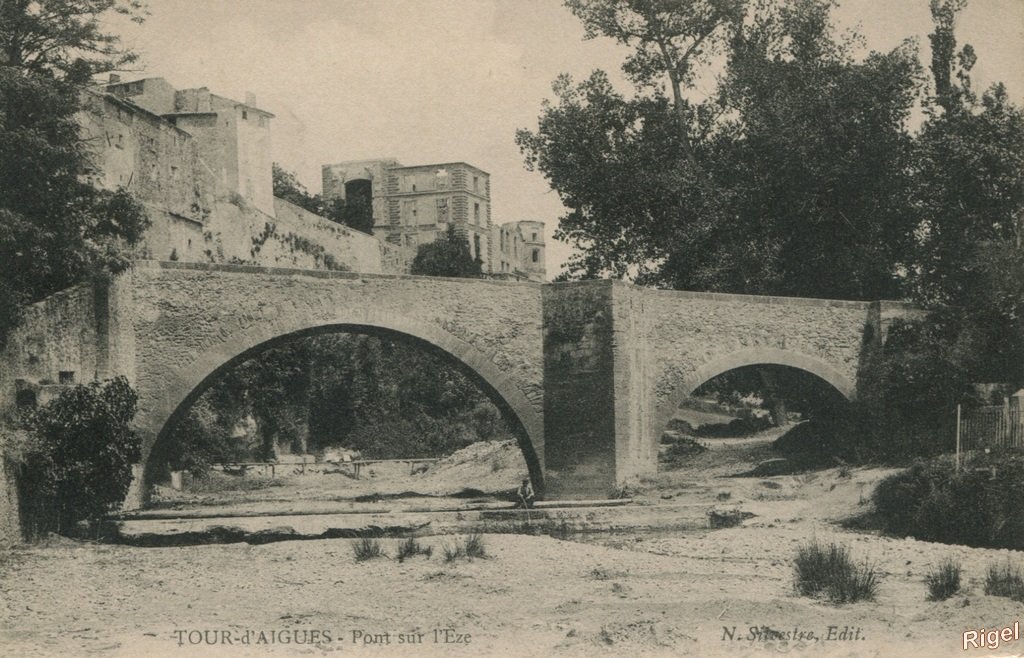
(595, 399)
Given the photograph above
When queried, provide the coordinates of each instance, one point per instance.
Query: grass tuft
(411, 548)
(944, 581)
(1005, 580)
(367, 549)
(470, 547)
(830, 572)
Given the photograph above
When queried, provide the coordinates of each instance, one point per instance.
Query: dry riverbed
(700, 593)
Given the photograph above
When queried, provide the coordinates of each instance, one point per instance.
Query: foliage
(448, 255)
(943, 581)
(64, 38)
(386, 399)
(355, 212)
(830, 572)
(367, 549)
(789, 179)
(931, 502)
(55, 228)
(1005, 580)
(906, 391)
(411, 548)
(79, 465)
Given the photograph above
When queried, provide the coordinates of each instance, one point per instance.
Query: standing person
(525, 495)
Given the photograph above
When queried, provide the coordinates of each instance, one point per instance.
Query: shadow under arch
(758, 356)
(180, 389)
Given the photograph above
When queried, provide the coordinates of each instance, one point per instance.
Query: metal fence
(987, 428)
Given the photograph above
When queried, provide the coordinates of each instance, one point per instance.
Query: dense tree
(790, 179)
(448, 255)
(77, 466)
(965, 266)
(55, 228)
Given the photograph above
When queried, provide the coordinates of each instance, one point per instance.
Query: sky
(426, 81)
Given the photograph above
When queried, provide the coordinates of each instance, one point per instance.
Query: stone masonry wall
(579, 389)
(691, 337)
(190, 319)
(56, 335)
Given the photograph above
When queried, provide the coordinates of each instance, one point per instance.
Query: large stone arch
(750, 357)
(161, 408)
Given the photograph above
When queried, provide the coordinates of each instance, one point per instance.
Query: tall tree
(789, 179)
(55, 228)
(671, 39)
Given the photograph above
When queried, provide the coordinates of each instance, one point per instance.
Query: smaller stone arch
(751, 357)
(183, 387)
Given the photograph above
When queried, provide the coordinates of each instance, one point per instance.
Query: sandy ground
(488, 466)
(700, 593)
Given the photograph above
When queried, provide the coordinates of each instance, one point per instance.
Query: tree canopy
(55, 227)
(756, 153)
(788, 179)
(64, 38)
(448, 255)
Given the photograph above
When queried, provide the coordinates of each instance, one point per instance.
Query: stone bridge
(589, 371)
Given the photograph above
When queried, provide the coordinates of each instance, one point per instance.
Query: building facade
(233, 138)
(413, 205)
(519, 251)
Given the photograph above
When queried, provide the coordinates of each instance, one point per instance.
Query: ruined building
(201, 164)
(519, 251)
(414, 205)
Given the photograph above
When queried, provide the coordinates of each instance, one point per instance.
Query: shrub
(682, 448)
(727, 518)
(898, 388)
(411, 548)
(830, 572)
(931, 502)
(944, 581)
(1005, 580)
(367, 549)
(77, 466)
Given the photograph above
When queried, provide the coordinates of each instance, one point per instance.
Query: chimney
(114, 78)
(250, 99)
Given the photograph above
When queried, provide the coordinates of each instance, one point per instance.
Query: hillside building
(202, 166)
(413, 205)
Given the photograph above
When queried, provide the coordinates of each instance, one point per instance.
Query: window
(25, 398)
(533, 238)
(476, 184)
(476, 246)
(442, 210)
(66, 377)
(536, 255)
(476, 213)
(245, 115)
